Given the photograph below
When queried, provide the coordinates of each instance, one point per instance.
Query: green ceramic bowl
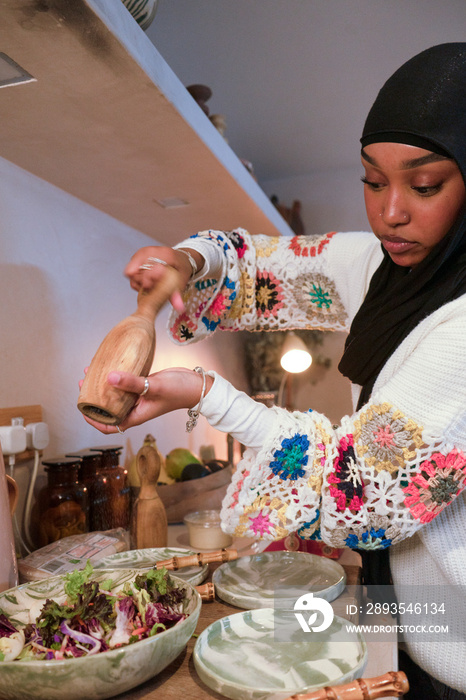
(146, 558)
(103, 675)
(261, 655)
(270, 578)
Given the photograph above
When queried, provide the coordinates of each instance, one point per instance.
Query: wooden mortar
(129, 347)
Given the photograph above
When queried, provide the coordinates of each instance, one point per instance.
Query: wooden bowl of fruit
(196, 485)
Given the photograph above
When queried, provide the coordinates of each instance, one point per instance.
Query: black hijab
(423, 104)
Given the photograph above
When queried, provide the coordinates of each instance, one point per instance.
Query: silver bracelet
(193, 413)
(192, 262)
(150, 262)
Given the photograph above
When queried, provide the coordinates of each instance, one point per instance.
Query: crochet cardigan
(391, 474)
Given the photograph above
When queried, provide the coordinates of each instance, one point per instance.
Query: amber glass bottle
(111, 492)
(90, 465)
(63, 503)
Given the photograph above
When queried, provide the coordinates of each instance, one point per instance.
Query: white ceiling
(295, 78)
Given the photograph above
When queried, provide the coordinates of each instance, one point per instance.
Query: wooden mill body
(128, 347)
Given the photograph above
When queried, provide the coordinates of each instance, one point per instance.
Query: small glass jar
(63, 503)
(111, 491)
(90, 464)
(205, 532)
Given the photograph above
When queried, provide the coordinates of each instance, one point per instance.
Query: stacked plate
(147, 558)
(242, 657)
(261, 580)
(264, 652)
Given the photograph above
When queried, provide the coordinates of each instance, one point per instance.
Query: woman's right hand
(144, 273)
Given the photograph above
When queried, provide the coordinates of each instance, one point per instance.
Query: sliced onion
(81, 637)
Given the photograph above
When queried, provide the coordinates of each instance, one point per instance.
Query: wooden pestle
(148, 520)
(128, 347)
(392, 684)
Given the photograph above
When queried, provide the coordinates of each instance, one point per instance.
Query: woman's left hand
(169, 390)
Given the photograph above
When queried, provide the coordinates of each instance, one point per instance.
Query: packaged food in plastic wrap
(72, 553)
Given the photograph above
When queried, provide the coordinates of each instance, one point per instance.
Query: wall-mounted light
(295, 358)
(11, 73)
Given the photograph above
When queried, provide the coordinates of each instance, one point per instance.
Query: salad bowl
(98, 675)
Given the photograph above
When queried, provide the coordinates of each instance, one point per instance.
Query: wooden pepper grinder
(128, 347)
(149, 526)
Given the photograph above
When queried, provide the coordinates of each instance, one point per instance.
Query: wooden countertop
(179, 681)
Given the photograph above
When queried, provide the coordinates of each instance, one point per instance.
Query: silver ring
(146, 387)
(120, 430)
(149, 264)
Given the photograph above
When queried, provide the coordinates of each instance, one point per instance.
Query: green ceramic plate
(145, 559)
(256, 581)
(242, 657)
(92, 677)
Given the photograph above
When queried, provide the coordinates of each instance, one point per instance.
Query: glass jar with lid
(111, 491)
(63, 503)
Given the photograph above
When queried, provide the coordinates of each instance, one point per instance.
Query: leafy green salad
(94, 619)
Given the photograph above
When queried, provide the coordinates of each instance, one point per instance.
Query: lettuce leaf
(75, 580)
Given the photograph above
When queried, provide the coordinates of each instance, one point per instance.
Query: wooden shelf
(108, 121)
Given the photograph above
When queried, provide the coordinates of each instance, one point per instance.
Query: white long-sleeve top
(390, 474)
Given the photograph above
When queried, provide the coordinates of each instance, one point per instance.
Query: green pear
(177, 459)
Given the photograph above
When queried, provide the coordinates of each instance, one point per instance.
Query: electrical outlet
(29, 414)
(12, 439)
(37, 436)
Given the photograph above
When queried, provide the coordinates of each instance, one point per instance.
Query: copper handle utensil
(206, 591)
(392, 684)
(198, 559)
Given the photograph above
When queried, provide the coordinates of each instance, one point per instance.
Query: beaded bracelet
(194, 412)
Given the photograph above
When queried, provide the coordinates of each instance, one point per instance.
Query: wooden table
(179, 681)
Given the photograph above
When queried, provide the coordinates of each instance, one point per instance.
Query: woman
(384, 477)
